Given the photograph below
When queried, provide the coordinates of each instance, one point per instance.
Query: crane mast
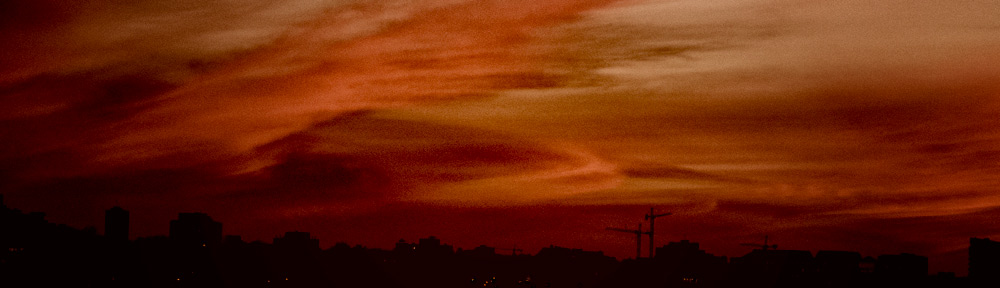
(638, 238)
(762, 247)
(652, 225)
(513, 251)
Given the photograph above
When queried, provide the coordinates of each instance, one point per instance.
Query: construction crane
(762, 247)
(651, 217)
(513, 251)
(638, 238)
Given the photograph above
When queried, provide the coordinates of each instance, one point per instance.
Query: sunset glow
(852, 125)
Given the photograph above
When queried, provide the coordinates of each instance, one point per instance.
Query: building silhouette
(482, 251)
(404, 248)
(36, 253)
(116, 224)
(684, 263)
(686, 251)
(984, 262)
(837, 268)
(906, 265)
(195, 229)
(297, 242)
(233, 240)
(867, 265)
(772, 268)
(432, 247)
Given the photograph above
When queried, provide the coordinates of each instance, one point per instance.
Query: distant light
(178, 279)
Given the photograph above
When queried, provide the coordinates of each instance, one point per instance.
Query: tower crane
(651, 217)
(513, 251)
(638, 238)
(762, 247)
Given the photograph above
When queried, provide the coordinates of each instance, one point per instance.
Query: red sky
(836, 125)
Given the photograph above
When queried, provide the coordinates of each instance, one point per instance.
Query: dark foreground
(37, 253)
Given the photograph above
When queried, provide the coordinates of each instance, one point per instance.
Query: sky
(825, 125)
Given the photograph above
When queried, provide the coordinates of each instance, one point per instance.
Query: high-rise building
(686, 264)
(904, 265)
(116, 224)
(297, 242)
(233, 240)
(482, 251)
(837, 268)
(984, 261)
(838, 264)
(196, 229)
(431, 246)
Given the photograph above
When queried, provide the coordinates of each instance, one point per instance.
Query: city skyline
(194, 254)
(197, 229)
(840, 125)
